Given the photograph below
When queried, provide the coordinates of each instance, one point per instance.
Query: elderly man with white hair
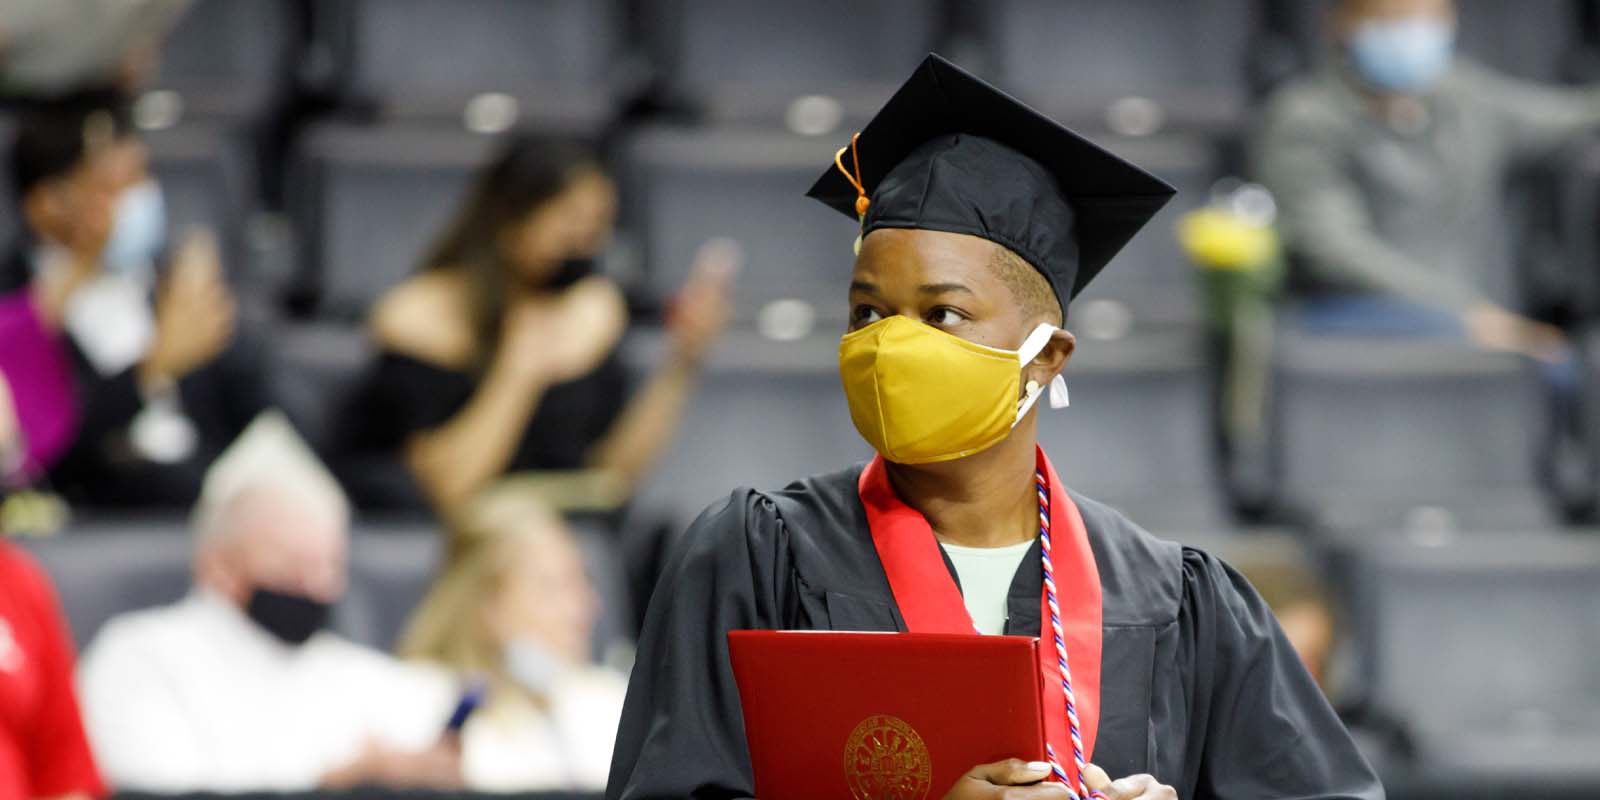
(238, 686)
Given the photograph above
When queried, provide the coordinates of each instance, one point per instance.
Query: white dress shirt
(196, 697)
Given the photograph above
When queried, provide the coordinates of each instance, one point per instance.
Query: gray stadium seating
(1151, 277)
(1135, 435)
(370, 200)
(766, 413)
(102, 568)
(226, 58)
(1377, 431)
(726, 53)
(1074, 57)
(685, 184)
(205, 174)
(428, 58)
(682, 185)
(1485, 644)
(313, 369)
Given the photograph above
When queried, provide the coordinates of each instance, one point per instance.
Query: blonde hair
(449, 628)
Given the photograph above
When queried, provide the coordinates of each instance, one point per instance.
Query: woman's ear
(1053, 358)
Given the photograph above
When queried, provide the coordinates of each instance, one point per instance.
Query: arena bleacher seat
(1078, 58)
(766, 413)
(429, 59)
(1379, 431)
(723, 53)
(1483, 643)
(1151, 279)
(104, 567)
(206, 176)
(313, 369)
(354, 180)
(228, 58)
(681, 185)
(1134, 436)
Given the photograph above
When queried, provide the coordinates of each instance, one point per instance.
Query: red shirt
(43, 750)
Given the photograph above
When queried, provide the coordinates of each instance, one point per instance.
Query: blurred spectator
(43, 751)
(1303, 607)
(514, 608)
(501, 354)
(237, 687)
(41, 412)
(53, 47)
(1388, 166)
(160, 386)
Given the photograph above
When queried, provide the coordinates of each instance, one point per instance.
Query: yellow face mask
(919, 395)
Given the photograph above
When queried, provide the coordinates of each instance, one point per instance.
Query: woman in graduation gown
(981, 219)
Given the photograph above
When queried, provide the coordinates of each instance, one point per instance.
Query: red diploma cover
(883, 716)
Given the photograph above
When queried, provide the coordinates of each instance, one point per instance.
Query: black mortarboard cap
(951, 153)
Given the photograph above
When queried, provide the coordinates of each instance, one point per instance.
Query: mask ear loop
(862, 201)
(1030, 349)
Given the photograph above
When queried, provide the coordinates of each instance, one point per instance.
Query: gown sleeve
(1269, 731)
(682, 730)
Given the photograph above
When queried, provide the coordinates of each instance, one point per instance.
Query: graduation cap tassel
(862, 201)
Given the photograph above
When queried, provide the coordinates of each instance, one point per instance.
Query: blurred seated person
(237, 687)
(161, 382)
(43, 750)
(39, 406)
(1388, 167)
(501, 354)
(514, 609)
(1304, 610)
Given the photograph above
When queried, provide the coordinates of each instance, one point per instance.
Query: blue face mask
(138, 230)
(1406, 55)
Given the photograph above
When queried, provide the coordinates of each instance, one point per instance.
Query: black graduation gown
(1198, 687)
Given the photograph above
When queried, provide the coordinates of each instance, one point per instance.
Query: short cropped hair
(1028, 286)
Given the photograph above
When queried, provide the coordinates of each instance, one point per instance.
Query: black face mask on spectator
(571, 271)
(290, 617)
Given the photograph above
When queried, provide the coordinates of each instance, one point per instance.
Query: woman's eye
(944, 316)
(865, 315)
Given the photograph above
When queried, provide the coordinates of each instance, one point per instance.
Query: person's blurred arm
(406, 709)
(1325, 220)
(644, 430)
(1537, 120)
(194, 314)
(453, 461)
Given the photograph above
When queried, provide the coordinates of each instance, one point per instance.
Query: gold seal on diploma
(885, 759)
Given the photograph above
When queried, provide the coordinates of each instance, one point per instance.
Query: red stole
(930, 601)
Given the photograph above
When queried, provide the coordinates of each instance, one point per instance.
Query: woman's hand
(194, 313)
(562, 338)
(700, 312)
(1012, 779)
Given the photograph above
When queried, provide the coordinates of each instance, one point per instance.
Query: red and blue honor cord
(1080, 789)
